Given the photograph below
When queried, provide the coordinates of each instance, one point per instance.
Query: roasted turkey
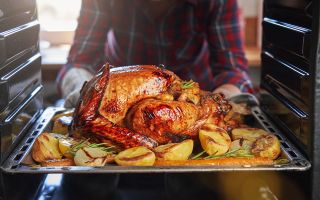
(145, 105)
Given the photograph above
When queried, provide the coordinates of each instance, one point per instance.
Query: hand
(228, 90)
(72, 99)
(72, 84)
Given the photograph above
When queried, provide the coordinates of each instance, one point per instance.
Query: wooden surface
(253, 56)
(251, 31)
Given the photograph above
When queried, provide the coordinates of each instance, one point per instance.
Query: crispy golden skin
(129, 85)
(163, 121)
(178, 108)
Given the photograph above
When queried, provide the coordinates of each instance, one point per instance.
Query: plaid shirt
(196, 39)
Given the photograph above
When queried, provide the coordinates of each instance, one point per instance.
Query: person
(197, 39)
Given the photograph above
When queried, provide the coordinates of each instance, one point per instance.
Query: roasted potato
(57, 162)
(136, 156)
(241, 147)
(60, 125)
(65, 145)
(214, 140)
(89, 156)
(46, 147)
(267, 146)
(250, 134)
(175, 151)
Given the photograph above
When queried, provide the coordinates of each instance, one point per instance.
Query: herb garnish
(240, 153)
(76, 147)
(85, 143)
(187, 84)
(196, 157)
(102, 146)
(230, 154)
(235, 153)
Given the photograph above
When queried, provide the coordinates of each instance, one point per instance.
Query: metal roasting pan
(15, 161)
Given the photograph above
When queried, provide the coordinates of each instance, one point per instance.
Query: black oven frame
(314, 153)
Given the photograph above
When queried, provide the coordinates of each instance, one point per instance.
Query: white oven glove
(72, 84)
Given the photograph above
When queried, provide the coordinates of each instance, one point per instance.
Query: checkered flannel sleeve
(227, 56)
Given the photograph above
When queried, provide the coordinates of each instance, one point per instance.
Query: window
(58, 20)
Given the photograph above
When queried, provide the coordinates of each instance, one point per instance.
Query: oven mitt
(72, 84)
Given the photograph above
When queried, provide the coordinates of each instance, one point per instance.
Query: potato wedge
(58, 162)
(89, 156)
(267, 146)
(60, 125)
(136, 156)
(46, 147)
(65, 145)
(241, 147)
(175, 151)
(250, 134)
(214, 140)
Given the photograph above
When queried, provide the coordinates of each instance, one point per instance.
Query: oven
(20, 87)
(289, 107)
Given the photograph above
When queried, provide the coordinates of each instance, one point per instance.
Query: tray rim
(12, 164)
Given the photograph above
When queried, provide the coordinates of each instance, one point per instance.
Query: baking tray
(14, 163)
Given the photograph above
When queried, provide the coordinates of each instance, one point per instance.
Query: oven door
(290, 76)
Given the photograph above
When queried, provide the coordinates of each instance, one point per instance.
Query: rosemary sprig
(214, 156)
(95, 145)
(196, 157)
(240, 152)
(234, 153)
(102, 146)
(187, 84)
(81, 144)
(85, 143)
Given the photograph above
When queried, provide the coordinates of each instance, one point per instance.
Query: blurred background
(58, 21)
